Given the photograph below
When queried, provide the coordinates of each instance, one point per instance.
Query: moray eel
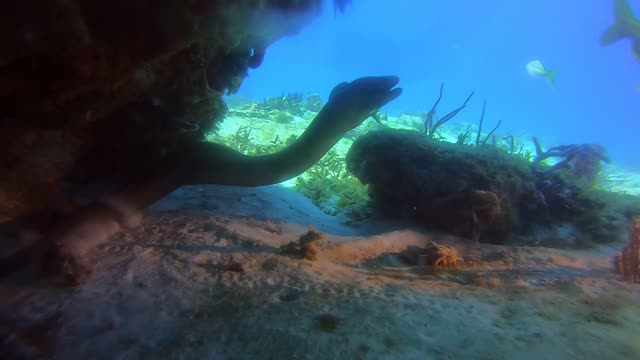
(349, 104)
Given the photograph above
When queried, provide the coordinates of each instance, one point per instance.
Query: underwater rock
(468, 192)
(92, 90)
(305, 246)
(481, 192)
(432, 255)
(439, 255)
(628, 260)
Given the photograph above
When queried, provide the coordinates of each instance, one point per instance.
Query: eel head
(350, 103)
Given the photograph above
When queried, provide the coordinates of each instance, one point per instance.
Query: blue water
(476, 45)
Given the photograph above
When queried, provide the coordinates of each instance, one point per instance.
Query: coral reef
(628, 260)
(482, 192)
(489, 135)
(330, 186)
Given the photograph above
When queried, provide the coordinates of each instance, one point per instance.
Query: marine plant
(521, 152)
(329, 166)
(291, 103)
(333, 189)
(462, 137)
(580, 161)
(313, 103)
(241, 139)
(479, 134)
(430, 126)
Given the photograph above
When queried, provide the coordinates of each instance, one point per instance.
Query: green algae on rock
(482, 192)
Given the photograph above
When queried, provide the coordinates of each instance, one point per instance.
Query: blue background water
(476, 45)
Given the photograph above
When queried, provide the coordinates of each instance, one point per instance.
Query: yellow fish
(536, 69)
(626, 26)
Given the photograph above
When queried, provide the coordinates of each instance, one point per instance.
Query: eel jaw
(352, 102)
(392, 95)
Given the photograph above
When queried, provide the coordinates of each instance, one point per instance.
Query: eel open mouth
(387, 85)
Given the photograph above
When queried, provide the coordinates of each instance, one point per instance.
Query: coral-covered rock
(480, 192)
(628, 261)
(472, 193)
(92, 90)
(306, 247)
(432, 255)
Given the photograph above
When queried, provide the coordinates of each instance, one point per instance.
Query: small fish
(536, 69)
(626, 26)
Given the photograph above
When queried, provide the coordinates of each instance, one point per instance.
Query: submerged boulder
(481, 193)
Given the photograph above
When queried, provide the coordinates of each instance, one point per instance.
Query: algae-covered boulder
(470, 193)
(481, 192)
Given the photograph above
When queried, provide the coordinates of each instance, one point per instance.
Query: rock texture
(482, 193)
(93, 92)
(628, 261)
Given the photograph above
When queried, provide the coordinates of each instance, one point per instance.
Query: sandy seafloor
(162, 291)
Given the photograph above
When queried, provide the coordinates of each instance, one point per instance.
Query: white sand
(162, 291)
